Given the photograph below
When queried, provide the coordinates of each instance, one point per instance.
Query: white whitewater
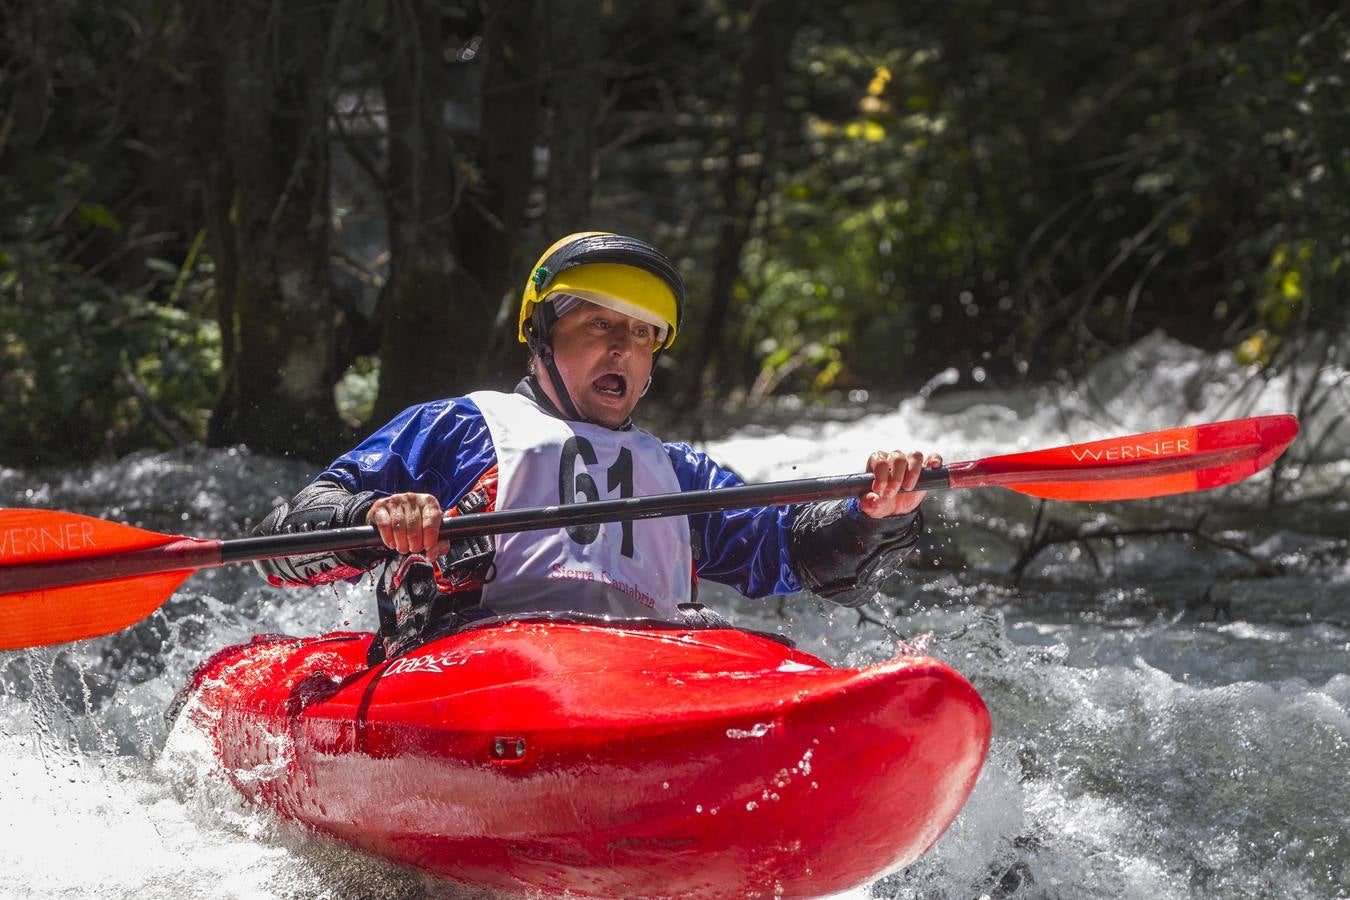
(1166, 724)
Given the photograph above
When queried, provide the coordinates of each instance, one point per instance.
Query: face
(605, 359)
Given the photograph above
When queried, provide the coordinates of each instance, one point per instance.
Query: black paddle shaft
(541, 518)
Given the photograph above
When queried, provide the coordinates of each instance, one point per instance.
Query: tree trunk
(771, 31)
(489, 219)
(423, 351)
(276, 299)
(576, 88)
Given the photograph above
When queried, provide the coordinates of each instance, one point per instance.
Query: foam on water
(1166, 724)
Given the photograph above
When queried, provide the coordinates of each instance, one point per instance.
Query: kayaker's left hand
(894, 475)
(409, 523)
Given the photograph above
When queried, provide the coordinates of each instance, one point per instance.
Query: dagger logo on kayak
(1132, 451)
(29, 541)
(430, 663)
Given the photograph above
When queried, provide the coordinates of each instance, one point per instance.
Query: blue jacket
(443, 447)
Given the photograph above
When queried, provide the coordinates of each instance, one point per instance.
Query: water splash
(1166, 724)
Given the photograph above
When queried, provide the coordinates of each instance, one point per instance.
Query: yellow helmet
(622, 273)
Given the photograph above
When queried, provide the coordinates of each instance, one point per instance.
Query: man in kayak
(597, 311)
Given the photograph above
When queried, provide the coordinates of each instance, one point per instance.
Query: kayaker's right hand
(408, 523)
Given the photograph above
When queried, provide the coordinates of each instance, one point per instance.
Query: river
(1171, 711)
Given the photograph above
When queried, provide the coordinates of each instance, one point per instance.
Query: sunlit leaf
(1253, 351)
(1291, 285)
(879, 81)
(96, 215)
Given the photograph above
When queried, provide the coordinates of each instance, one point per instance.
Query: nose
(622, 341)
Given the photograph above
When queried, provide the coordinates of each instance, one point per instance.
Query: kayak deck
(602, 760)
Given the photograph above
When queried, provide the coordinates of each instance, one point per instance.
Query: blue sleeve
(440, 448)
(745, 548)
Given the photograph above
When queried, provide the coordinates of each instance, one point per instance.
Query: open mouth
(611, 385)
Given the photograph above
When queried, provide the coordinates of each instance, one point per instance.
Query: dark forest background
(277, 221)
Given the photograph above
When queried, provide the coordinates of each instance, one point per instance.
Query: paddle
(64, 577)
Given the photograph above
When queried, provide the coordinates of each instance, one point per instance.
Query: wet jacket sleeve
(439, 448)
(838, 549)
(830, 548)
(318, 506)
(748, 549)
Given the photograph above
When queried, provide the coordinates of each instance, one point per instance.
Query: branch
(367, 273)
(352, 144)
(1058, 533)
(162, 421)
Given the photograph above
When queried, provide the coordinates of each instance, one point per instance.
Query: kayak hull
(600, 760)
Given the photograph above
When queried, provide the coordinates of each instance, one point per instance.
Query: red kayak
(600, 759)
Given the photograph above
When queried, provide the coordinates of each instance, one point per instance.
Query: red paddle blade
(1155, 464)
(57, 615)
(65, 577)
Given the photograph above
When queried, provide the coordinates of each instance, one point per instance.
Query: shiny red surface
(1173, 461)
(709, 763)
(48, 560)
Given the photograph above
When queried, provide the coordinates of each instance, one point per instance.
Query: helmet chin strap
(536, 337)
(559, 387)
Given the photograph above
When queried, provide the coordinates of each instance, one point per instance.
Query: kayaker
(597, 311)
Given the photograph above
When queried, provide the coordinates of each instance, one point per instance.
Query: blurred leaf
(97, 215)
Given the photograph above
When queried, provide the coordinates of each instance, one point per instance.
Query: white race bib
(631, 569)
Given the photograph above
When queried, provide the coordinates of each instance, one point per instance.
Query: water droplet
(759, 729)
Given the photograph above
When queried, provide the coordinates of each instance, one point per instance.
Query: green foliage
(881, 190)
(1023, 190)
(107, 336)
(85, 368)
(879, 237)
(357, 389)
